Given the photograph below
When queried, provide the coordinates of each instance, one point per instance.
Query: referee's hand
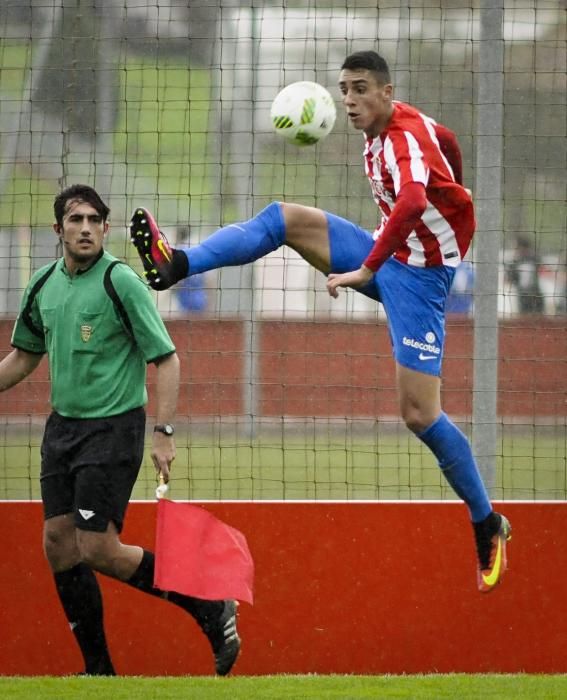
(163, 453)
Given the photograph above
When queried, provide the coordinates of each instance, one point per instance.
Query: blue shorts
(413, 297)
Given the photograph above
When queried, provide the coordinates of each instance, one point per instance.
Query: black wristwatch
(165, 428)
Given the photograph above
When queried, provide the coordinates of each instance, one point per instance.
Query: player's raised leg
(302, 228)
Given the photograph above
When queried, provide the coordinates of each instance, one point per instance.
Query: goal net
(287, 393)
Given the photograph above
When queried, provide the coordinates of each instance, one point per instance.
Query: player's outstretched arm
(16, 366)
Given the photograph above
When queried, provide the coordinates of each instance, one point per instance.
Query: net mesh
(285, 392)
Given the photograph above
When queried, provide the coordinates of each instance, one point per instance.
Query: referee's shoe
(222, 634)
(163, 265)
(491, 535)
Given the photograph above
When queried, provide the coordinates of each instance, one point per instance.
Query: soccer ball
(303, 113)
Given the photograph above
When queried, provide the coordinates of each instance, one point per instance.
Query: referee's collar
(82, 271)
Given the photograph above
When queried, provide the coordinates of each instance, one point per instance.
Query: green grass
(390, 465)
(461, 687)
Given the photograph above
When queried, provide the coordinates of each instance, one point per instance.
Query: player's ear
(388, 91)
(58, 229)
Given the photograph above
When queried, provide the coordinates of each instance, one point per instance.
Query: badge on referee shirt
(86, 332)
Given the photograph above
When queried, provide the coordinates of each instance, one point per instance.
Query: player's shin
(241, 243)
(456, 460)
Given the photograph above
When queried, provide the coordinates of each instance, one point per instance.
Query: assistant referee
(95, 319)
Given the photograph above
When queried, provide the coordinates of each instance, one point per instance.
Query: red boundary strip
(367, 588)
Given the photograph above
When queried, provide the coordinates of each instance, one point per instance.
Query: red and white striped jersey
(413, 148)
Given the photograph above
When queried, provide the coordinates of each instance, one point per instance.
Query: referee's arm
(167, 391)
(16, 366)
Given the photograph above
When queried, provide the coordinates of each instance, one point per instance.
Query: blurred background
(166, 103)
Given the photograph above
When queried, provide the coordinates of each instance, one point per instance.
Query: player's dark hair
(79, 193)
(371, 61)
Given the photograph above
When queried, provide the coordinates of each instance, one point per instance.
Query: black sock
(179, 265)
(143, 580)
(80, 597)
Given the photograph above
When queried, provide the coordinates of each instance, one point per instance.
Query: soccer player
(96, 320)
(427, 223)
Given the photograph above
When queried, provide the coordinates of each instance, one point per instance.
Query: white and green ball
(303, 113)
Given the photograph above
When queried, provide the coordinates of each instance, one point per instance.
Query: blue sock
(238, 244)
(458, 465)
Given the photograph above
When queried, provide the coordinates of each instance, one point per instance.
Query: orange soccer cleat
(155, 252)
(491, 536)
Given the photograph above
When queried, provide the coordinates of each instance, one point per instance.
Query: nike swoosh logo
(492, 578)
(163, 250)
(427, 357)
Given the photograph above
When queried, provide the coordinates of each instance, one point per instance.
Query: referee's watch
(165, 428)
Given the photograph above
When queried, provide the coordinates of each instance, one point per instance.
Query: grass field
(455, 687)
(336, 464)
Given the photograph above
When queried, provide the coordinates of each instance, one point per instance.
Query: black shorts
(89, 467)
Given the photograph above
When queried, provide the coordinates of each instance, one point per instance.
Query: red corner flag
(199, 555)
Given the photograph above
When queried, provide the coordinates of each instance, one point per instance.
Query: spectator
(460, 299)
(522, 272)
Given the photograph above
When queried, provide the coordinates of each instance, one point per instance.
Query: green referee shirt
(97, 346)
